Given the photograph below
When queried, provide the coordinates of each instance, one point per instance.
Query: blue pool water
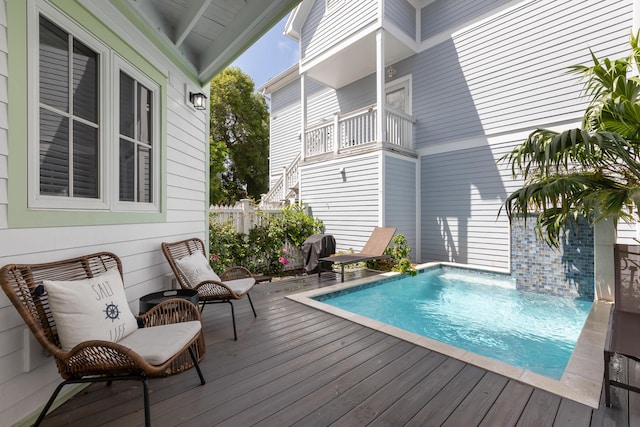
(481, 313)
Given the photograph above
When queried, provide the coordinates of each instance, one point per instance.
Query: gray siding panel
(358, 94)
(400, 198)
(443, 14)
(284, 141)
(323, 29)
(347, 203)
(324, 102)
(510, 72)
(462, 192)
(321, 107)
(402, 14)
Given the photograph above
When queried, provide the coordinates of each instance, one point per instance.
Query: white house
(101, 148)
(398, 111)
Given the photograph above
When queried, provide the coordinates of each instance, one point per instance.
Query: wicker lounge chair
(624, 320)
(373, 249)
(234, 284)
(143, 353)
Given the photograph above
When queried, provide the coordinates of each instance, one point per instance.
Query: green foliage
(227, 247)
(263, 250)
(593, 172)
(404, 266)
(297, 225)
(399, 251)
(266, 242)
(218, 153)
(239, 122)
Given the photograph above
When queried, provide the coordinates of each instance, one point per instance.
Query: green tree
(218, 153)
(239, 138)
(592, 172)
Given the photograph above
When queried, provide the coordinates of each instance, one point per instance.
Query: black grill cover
(315, 247)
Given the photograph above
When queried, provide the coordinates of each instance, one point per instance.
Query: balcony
(357, 129)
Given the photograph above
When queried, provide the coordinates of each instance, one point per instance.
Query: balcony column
(303, 117)
(380, 94)
(285, 189)
(336, 135)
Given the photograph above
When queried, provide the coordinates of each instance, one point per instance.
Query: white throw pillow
(196, 269)
(90, 309)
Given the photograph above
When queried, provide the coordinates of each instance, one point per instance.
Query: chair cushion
(196, 269)
(241, 286)
(90, 309)
(157, 344)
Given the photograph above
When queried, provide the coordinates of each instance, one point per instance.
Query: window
(91, 151)
(136, 140)
(69, 128)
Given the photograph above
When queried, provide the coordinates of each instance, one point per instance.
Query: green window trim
(19, 215)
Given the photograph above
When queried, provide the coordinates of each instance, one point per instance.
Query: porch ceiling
(205, 35)
(346, 64)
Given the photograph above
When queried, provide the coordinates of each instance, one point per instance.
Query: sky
(269, 56)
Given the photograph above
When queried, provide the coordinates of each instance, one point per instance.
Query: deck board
(425, 362)
(540, 411)
(294, 365)
(478, 402)
(438, 409)
(508, 407)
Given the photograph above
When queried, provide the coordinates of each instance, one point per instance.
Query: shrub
(227, 247)
(263, 249)
(266, 241)
(399, 251)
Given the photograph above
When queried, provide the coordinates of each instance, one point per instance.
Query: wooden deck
(295, 365)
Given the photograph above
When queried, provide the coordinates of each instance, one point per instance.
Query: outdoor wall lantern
(198, 100)
(391, 72)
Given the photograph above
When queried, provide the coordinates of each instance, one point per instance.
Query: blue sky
(269, 56)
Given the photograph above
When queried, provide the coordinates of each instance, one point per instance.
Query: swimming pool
(479, 312)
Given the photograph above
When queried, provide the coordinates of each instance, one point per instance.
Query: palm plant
(592, 172)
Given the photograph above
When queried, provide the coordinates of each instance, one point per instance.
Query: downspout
(380, 122)
(303, 116)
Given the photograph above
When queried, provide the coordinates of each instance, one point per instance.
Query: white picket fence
(244, 215)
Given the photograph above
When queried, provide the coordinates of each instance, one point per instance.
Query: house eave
(288, 76)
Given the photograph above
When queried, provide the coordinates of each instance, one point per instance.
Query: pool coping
(581, 380)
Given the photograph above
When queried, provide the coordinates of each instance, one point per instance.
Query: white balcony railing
(358, 128)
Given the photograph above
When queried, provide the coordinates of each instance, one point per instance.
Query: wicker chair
(97, 360)
(234, 284)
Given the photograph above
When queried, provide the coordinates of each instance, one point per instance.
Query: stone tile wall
(567, 271)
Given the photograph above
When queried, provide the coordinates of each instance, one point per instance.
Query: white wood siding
(285, 140)
(138, 245)
(285, 97)
(285, 129)
(323, 29)
(348, 203)
(400, 198)
(403, 14)
(445, 14)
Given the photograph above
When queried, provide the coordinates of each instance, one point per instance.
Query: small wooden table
(147, 302)
(260, 279)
